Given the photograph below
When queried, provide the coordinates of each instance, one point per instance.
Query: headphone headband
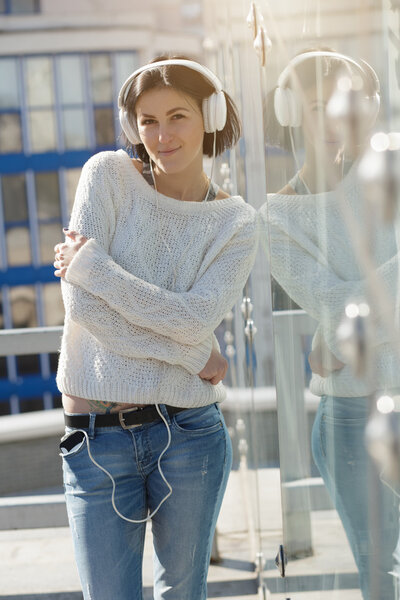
(214, 107)
(326, 54)
(124, 91)
(288, 102)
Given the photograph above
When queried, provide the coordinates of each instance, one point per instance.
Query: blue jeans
(368, 508)
(108, 549)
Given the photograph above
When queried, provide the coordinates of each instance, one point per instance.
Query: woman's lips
(168, 152)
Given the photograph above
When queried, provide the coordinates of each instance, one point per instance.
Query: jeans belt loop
(92, 425)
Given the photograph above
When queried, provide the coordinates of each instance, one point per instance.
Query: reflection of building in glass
(60, 72)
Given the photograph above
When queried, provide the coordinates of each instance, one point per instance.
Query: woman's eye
(148, 122)
(178, 116)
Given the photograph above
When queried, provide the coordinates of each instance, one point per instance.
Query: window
(14, 198)
(72, 100)
(10, 111)
(104, 125)
(53, 305)
(19, 7)
(18, 242)
(101, 78)
(15, 208)
(71, 182)
(40, 100)
(69, 99)
(102, 96)
(10, 133)
(23, 306)
(48, 213)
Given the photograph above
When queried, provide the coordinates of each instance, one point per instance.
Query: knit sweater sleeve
(311, 283)
(127, 339)
(186, 317)
(93, 216)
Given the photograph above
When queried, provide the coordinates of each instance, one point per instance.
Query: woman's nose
(164, 134)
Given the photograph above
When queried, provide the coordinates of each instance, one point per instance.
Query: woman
(155, 256)
(313, 259)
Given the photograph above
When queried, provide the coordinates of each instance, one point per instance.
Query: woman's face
(326, 134)
(171, 128)
(317, 127)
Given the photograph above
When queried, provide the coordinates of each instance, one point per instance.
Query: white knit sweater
(128, 337)
(313, 259)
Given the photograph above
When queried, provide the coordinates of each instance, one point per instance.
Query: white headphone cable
(150, 516)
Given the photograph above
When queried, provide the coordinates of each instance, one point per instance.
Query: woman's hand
(64, 253)
(323, 362)
(215, 369)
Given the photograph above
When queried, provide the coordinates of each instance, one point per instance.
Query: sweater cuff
(197, 356)
(79, 271)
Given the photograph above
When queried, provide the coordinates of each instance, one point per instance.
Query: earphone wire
(151, 515)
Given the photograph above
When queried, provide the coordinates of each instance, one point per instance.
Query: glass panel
(100, 78)
(53, 305)
(23, 6)
(9, 93)
(42, 130)
(14, 198)
(23, 306)
(39, 82)
(104, 121)
(75, 128)
(71, 79)
(47, 195)
(18, 246)
(50, 235)
(331, 237)
(72, 178)
(10, 133)
(125, 64)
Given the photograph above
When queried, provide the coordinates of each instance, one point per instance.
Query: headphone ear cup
(296, 109)
(287, 107)
(221, 110)
(281, 106)
(214, 112)
(128, 127)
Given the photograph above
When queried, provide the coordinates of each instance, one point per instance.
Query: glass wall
(318, 89)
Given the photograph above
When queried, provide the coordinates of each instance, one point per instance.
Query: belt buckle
(122, 418)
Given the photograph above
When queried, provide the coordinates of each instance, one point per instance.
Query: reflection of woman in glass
(313, 259)
(155, 257)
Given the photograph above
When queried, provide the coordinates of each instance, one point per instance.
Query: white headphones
(214, 107)
(287, 102)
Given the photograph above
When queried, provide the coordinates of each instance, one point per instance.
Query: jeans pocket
(72, 443)
(197, 421)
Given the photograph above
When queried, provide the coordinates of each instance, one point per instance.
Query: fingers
(60, 272)
(71, 234)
